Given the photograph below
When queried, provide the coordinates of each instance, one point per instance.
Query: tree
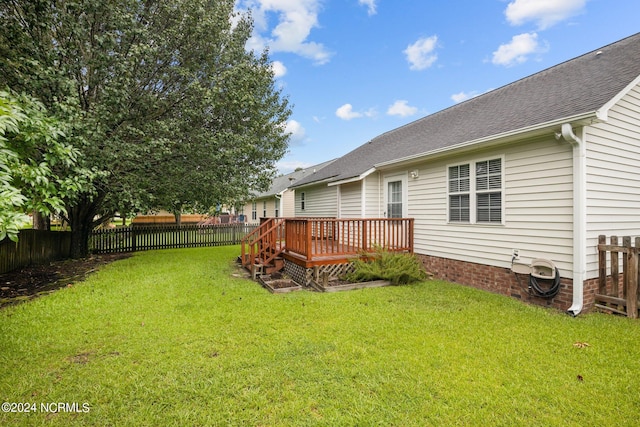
(165, 105)
(34, 163)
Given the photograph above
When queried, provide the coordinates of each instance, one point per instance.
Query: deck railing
(322, 237)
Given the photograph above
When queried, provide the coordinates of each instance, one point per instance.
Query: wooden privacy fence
(34, 247)
(142, 238)
(618, 291)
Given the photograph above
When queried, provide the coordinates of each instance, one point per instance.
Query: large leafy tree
(167, 107)
(35, 163)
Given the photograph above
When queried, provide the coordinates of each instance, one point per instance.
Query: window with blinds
(479, 185)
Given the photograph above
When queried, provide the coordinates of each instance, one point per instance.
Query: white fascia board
(354, 179)
(311, 184)
(587, 118)
(603, 112)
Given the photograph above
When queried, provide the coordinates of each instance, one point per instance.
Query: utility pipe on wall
(579, 216)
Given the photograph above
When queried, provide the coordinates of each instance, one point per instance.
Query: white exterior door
(395, 196)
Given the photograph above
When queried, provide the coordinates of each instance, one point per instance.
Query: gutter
(579, 215)
(587, 118)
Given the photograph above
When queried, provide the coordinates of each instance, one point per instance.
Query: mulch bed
(29, 282)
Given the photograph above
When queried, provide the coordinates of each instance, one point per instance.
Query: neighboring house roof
(281, 183)
(570, 90)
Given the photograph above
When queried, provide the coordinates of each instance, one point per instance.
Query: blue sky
(354, 69)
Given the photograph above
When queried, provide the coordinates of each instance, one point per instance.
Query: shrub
(397, 268)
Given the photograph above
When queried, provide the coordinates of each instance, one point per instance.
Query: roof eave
(312, 183)
(360, 177)
(580, 119)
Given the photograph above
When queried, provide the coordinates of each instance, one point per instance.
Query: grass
(172, 338)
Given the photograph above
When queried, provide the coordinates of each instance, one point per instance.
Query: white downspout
(579, 217)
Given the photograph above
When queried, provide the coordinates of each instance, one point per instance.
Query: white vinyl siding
(537, 203)
(613, 176)
(288, 204)
(320, 201)
(372, 196)
(351, 200)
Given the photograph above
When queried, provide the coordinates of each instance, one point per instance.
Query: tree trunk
(178, 216)
(81, 221)
(41, 221)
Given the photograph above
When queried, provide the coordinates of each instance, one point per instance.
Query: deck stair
(261, 249)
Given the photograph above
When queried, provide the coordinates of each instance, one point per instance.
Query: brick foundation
(504, 281)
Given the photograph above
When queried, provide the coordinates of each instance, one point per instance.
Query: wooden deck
(310, 242)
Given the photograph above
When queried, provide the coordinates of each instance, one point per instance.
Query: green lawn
(172, 338)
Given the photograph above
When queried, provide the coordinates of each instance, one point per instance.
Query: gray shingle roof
(281, 183)
(575, 87)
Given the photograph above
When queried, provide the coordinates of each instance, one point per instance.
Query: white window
(475, 192)
(254, 211)
(394, 199)
(459, 193)
(277, 208)
(264, 209)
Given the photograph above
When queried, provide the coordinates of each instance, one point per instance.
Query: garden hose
(542, 292)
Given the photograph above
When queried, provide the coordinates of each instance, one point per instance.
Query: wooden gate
(618, 293)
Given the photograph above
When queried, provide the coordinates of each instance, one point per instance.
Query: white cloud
(371, 6)
(545, 13)
(298, 133)
(517, 50)
(346, 112)
(421, 53)
(463, 96)
(296, 19)
(279, 69)
(401, 108)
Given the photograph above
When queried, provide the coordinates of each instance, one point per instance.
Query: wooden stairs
(263, 247)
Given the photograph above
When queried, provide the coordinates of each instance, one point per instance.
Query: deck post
(365, 243)
(410, 237)
(308, 243)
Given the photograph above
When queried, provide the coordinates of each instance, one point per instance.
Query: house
(278, 201)
(536, 169)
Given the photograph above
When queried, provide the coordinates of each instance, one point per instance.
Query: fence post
(615, 264)
(602, 265)
(632, 282)
(626, 242)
